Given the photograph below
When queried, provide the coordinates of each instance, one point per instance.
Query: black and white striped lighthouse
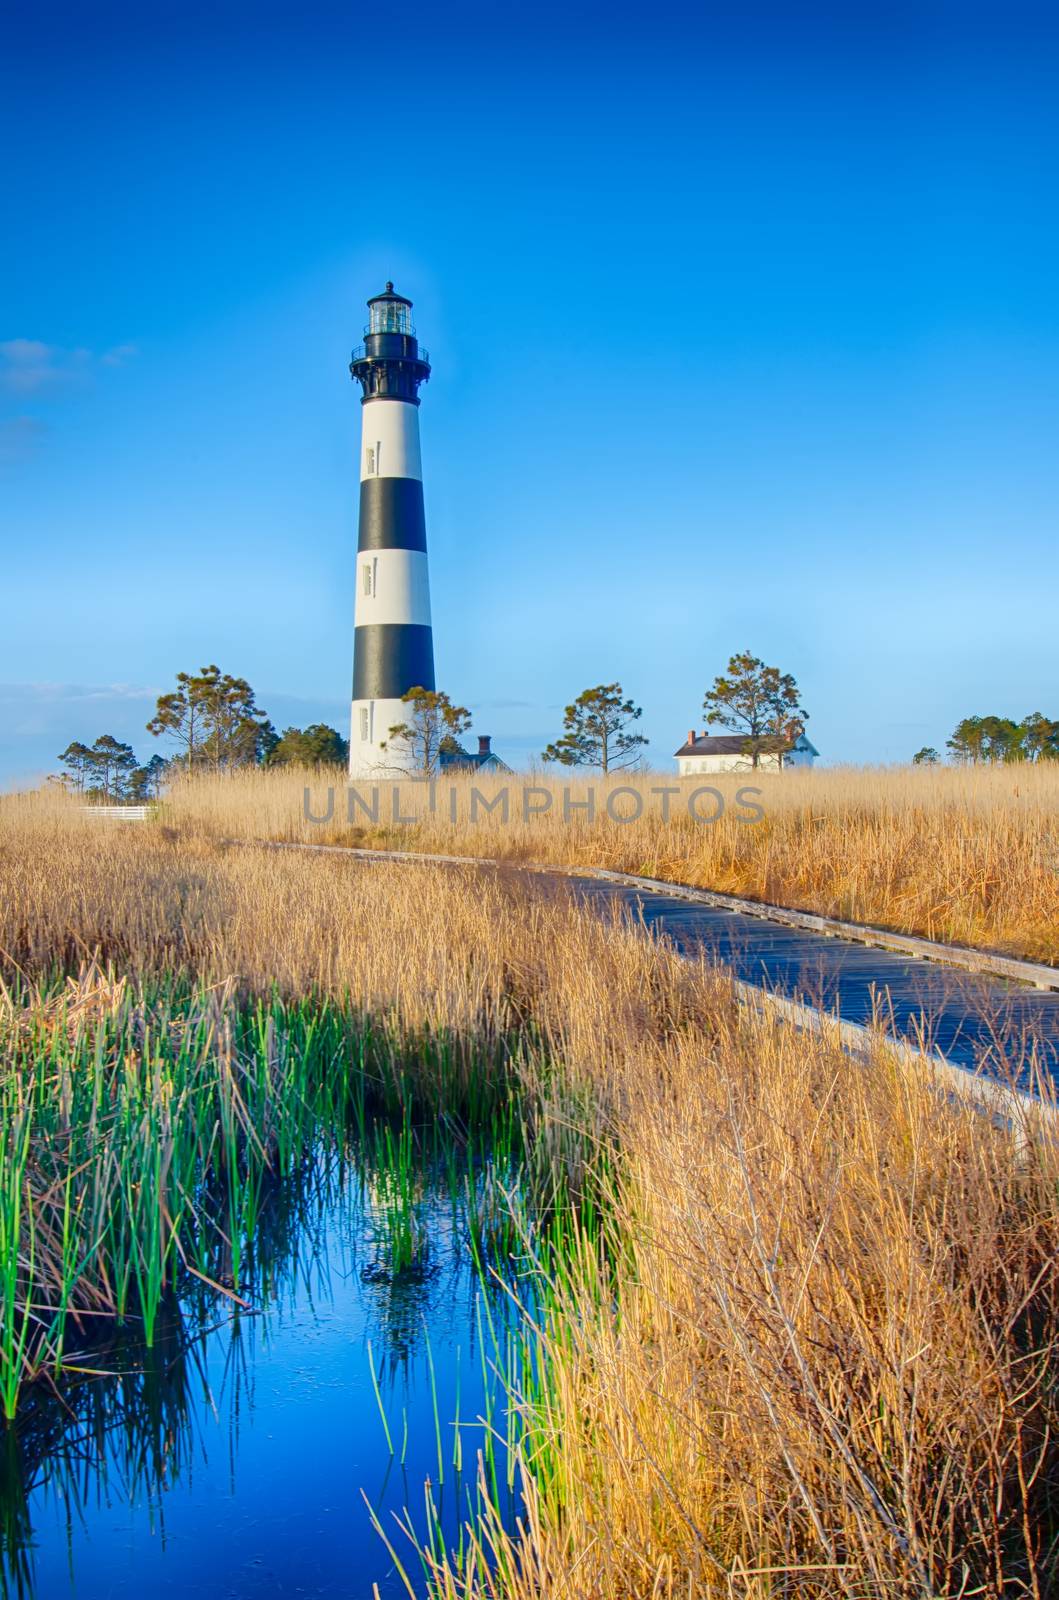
(393, 649)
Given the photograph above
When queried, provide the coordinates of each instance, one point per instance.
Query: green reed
(142, 1127)
(393, 1182)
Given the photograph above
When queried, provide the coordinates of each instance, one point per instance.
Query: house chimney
(691, 735)
(483, 743)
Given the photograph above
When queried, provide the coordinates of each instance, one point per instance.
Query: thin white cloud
(29, 366)
(65, 693)
(26, 365)
(25, 352)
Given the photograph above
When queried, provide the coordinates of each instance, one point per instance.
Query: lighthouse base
(369, 731)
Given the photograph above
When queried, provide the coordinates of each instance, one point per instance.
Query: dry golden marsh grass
(813, 1348)
(968, 856)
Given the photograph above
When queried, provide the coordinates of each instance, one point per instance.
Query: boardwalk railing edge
(1035, 974)
(1000, 1100)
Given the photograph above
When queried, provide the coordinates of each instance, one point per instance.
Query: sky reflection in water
(234, 1459)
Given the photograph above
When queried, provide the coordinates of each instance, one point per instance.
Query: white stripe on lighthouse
(370, 730)
(390, 434)
(392, 586)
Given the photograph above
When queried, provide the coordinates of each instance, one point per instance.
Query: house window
(363, 722)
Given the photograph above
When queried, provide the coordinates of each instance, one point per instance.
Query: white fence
(117, 813)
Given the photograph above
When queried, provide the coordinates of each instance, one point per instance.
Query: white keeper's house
(727, 752)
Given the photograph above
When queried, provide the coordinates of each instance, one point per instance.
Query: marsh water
(251, 1451)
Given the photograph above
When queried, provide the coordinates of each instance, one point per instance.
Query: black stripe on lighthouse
(389, 658)
(391, 515)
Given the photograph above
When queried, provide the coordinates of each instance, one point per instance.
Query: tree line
(215, 724)
(995, 740)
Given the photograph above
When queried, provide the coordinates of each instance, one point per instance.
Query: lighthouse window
(366, 571)
(363, 722)
(370, 453)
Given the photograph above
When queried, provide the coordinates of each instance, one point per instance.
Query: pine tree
(597, 731)
(759, 702)
(214, 720)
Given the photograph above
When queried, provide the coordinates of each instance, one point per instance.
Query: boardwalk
(973, 1020)
(977, 1021)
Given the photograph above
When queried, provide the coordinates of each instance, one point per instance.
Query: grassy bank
(969, 856)
(811, 1347)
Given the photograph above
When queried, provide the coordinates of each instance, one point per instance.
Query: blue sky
(744, 332)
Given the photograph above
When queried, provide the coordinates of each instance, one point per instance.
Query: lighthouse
(393, 648)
